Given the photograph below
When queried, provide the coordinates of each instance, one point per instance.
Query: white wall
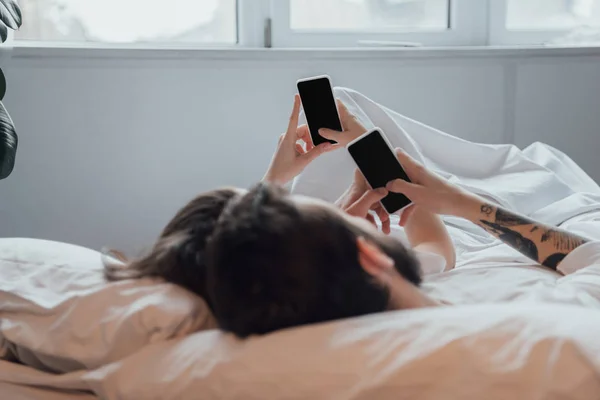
(113, 143)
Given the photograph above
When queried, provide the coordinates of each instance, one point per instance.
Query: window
(332, 23)
(542, 21)
(366, 15)
(552, 14)
(305, 23)
(129, 21)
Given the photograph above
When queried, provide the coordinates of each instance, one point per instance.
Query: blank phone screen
(319, 107)
(379, 165)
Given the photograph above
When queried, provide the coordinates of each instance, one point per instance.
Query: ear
(373, 260)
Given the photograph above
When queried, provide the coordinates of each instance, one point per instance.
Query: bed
(66, 334)
(19, 392)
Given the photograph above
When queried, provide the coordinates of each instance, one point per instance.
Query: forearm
(427, 231)
(542, 243)
(269, 178)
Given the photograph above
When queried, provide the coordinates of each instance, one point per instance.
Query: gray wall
(112, 143)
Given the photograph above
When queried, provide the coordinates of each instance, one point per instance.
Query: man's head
(277, 261)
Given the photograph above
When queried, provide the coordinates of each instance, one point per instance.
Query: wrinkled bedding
(517, 331)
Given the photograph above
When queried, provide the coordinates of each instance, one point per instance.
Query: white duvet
(540, 339)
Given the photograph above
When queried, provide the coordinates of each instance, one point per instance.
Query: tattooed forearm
(514, 239)
(562, 241)
(487, 209)
(544, 244)
(553, 261)
(506, 218)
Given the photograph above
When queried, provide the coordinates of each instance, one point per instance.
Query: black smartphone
(376, 159)
(319, 106)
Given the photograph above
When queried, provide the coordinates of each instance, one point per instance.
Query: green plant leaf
(10, 14)
(8, 143)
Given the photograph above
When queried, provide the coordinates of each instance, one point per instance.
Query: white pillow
(58, 314)
(515, 351)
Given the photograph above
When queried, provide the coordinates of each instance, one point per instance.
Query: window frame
(466, 29)
(499, 34)
(266, 23)
(252, 17)
(247, 10)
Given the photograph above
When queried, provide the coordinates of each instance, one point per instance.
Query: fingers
(330, 134)
(347, 119)
(362, 206)
(293, 124)
(384, 218)
(299, 149)
(311, 155)
(406, 214)
(371, 219)
(303, 133)
(408, 189)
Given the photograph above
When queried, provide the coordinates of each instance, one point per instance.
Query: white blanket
(540, 181)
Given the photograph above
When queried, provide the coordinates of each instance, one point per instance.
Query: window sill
(36, 51)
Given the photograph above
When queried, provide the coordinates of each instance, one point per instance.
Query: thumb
(408, 189)
(361, 207)
(330, 134)
(312, 154)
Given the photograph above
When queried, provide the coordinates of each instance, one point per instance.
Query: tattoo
(553, 261)
(562, 241)
(525, 246)
(487, 209)
(506, 218)
(546, 236)
(515, 230)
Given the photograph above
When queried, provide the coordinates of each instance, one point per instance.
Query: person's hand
(358, 200)
(291, 157)
(352, 128)
(427, 190)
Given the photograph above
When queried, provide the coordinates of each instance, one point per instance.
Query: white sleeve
(430, 263)
(582, 257)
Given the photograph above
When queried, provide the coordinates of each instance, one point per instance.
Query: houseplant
(10, 18)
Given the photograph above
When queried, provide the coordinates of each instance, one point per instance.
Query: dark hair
(179, 254)
(272, 265)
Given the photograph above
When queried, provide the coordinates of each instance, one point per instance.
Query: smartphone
(376, 159)
(319, 106)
